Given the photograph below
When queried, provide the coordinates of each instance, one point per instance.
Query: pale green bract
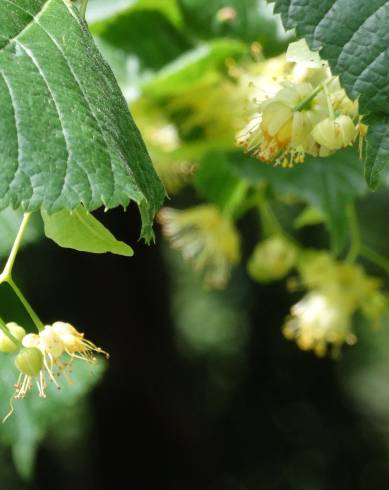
(66, 136)
(353, 36)
(81, 231)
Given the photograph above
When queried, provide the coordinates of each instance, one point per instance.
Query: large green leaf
(81, 231)
(66, 136)
(354, 38)
(329, 184)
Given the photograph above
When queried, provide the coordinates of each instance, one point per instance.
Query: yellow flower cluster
(301, 119)
(205, 238)
(336, 291)
(39, 356)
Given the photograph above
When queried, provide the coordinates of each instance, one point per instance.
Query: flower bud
(272, 259)
(6, 344)
(29, 361)
(335, 133)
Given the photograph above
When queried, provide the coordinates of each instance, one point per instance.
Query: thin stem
(355, 235)
(270, 223)
(34, 317)
(7, 272)
(313, 94)
(329, 103)
(375, 258)
(232, 207)
(5, 329)
(83, 7)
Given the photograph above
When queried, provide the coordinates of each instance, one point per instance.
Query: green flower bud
(6, 344)
(29, 361)
(272, 259)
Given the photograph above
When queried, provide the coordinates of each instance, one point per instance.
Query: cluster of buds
(40, 357)
(206, 238)
(337, 290)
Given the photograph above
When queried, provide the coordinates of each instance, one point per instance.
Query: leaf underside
(66, 136)
(354, 37)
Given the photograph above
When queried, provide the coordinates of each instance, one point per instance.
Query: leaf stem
(6, 275)
(375, 257)
(355, 235)
(5, 329)
(313, 94)
(83, 7)
(34, 317)
(7, 272)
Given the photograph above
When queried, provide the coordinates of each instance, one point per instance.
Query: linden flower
(335, 134)
(318, 320)
(75, 344)
(52, 342)
(337, 291)
(205, 238)
(272, 259)
(280, 133)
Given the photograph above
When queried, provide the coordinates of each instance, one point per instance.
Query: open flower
(336, 291)
(41, 358)
(317, 321)
(205, 238)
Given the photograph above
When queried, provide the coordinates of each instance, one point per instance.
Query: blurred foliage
(186, 68)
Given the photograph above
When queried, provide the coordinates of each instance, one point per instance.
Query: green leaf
(81, 231)
(217, 182)
(328, 184)
(34, 416)
(377, 149)
(354, 38)
(100, 10)
(309, 216)
(135, 33)
(66, 136)
(193, 65)
(248, 20)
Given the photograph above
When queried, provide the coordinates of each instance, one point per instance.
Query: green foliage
(34, 416)
(195, 65)
(81, 231)
(329, 184)
(354, 39)
(250, 21)
(74, 141)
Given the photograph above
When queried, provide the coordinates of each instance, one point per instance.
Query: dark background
(161, 420)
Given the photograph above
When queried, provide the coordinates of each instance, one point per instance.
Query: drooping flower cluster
(336, 290)
(40, 357)
(205, 238)
(310, 114)
(301, 119)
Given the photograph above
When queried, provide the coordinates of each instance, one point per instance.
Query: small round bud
(272, 259)
(335, 134)
(6, 344)
(29, 361)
